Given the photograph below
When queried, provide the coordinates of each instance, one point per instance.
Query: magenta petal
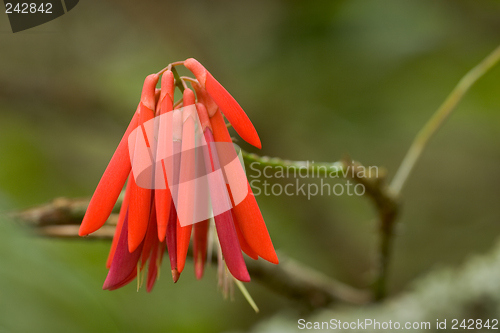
(124, 263)
(224, 223)
(230, 246)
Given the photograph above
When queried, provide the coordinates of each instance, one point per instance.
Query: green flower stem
(178, 81)
(439, 117)
(318, 169)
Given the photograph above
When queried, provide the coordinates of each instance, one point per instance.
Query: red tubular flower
(158, 210)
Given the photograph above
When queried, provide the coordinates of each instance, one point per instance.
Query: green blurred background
(319, 79)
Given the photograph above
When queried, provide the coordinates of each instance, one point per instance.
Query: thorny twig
(376, 189)
(387, 206)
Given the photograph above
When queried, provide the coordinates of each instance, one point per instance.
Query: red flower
(150, 217)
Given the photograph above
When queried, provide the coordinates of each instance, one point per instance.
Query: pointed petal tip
(175, 275)
(82, 232)
(106, 285)
(90, 225)
(198, 270)
(133, 244)
(243, 277)
(162, 234)
(233, 111)
(273, 259)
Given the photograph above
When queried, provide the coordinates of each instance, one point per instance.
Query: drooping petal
(227, 104)
(150, 251)
(253, 227)
(171, 237)
(183, 238)
(171, 240)
(151, 239)
(247, 212)
(243, 243)
(140, 193)
(230, 246)
(186, 194)
(124, 262)
(119, 225)
(139, 211)
(163, 196)
(200, 240)
(109, 187)
(163, 200)
(126, 281)
(224, 223)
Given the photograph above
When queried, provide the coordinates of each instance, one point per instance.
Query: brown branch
(61, 219)
(387, 206)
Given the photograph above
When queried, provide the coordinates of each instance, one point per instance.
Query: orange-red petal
(224, 224)
(243, 243)
(148, 91)
(227, 104)
(124, 262)
(151, 239)
(186, 195)
(166, 101)
(109, 187)
(163, 196)
(248, 215)
(140, 197)
(119, 225)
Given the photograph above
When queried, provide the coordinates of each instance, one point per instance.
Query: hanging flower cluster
(149, 220)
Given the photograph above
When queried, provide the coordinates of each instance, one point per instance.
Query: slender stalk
(387, 221)
(317, 169)
(171, 66)
(439, 117)
(190, 79)
(178, 81)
